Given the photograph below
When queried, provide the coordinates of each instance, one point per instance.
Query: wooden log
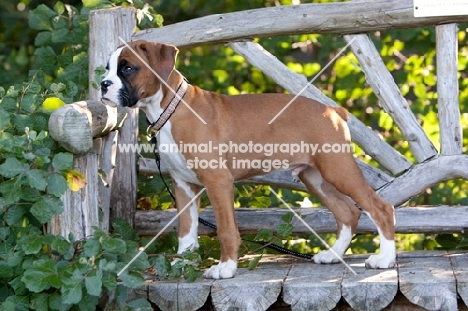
(375, 177)
(249, 291)
(434, 171)
(380, 151)
(390, 97)
(441, 219)
(179, 294)
(428, 281)
(339, 18)
(460, 269)
(75, 126)
(313, 287)
(369, 289)
(451, 136)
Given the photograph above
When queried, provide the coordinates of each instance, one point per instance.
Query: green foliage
(41, 271)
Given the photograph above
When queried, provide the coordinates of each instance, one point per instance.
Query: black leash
(154, 140)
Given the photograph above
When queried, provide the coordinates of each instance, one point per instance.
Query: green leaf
(114, 245)
(46, 207)
(254, 262)
(287, 218)
(90, 4)
(40, 301)
(14, 214)
(191, 273)
(62, 161)
(132, 279)
(36, 280)
(60, 245)
(162, 265)
(56, 185)
(72, 288)
(36, 179)
(92, 247)
(39, 18)
(123, 229)
(4, 119)
(31, 244)
(5, 270)
(284, 229)
(264, 235)
(93, 285)
(12, 167)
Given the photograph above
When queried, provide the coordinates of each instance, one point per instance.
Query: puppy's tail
(342, 112)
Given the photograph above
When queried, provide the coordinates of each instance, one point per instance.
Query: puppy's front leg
(221, 194)
(188, 220)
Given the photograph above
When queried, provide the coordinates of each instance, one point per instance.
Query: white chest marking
(171, 159)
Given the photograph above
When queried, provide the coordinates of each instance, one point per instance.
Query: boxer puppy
(244, 143)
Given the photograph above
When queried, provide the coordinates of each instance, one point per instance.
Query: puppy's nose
(104, 85)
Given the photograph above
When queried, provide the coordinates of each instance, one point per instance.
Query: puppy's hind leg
(345, 212)
(344, 174)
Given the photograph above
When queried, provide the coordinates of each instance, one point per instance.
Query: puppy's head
(134, 72)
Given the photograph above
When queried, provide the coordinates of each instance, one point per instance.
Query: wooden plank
(434, 171)
(380, 151)
(390, 97)
(312, 286)
(179, 294)
(451, 135)
(250, 290)
(460, 269)
(441, 219)
(338, 18)
(375, 177)
(427, 280)
(370, 289)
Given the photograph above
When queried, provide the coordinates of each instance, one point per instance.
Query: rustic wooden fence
(92, 131)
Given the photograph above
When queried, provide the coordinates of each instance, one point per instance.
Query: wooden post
(118, 194)
(390, 97)
(447, 88)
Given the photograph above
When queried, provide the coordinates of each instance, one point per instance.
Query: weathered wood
(124, 184)
(427, 281)
(295, 83)
(460, 269)
(115, 25)
(311, 287)
(107, 165)
(434, 171)
(340, 18)
(105, 28)
(375, 177)
(390, 97)
(75, 126)
(80, 213)
(441, 219)
(370, 289)
(179, 294)
(250, 291)
(451, 136)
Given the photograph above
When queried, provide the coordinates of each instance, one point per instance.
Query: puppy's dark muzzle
(104, 85)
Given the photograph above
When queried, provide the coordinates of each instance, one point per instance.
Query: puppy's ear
(161, 57)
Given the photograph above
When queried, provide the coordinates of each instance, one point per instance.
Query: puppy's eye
(127, 69)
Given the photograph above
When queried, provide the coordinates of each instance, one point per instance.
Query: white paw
(223, 270)
(380, 261)
(326, 257)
